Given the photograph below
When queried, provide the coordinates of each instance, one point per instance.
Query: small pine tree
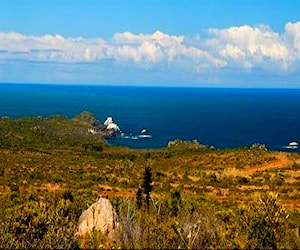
(147, 186)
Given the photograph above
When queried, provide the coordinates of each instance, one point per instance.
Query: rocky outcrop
(99, 216)
(88, 118)
(111, 126)
(108, 129)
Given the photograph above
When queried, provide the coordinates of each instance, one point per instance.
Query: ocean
(223, 118)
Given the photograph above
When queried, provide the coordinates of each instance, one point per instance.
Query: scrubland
(52, 169)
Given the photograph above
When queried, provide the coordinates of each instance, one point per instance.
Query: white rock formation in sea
(99, 216)
(108, 120)
(293, 144)
(110, 125)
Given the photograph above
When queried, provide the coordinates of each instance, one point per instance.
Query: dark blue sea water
(224, 118)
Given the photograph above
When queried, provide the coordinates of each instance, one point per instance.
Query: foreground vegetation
(52, 169)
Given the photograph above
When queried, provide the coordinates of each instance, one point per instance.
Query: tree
(147, 185)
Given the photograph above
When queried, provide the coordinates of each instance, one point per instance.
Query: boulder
(99, 216)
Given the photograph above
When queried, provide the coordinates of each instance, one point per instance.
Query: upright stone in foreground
(99, 216)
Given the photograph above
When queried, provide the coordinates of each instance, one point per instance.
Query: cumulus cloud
(52, 48)
(292, 36)
(144, 50)
(245, 48)
(257, 47)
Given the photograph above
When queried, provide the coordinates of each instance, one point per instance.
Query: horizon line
(149, 85)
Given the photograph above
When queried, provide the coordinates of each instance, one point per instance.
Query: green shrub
(36, 224)
(242, 180)
(266, 222)
(278, 178)
(176, 202)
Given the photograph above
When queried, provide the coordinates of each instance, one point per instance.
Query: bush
(176, 203)
(242, 180)
(35, 224)
(266, 222)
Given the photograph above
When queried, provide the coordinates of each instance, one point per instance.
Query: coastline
(96, 131)
(224, 118)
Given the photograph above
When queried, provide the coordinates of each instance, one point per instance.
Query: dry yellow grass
(282, 161)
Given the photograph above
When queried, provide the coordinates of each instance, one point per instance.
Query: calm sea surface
(224, 118)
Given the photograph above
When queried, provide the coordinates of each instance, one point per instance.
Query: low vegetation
(183, 196)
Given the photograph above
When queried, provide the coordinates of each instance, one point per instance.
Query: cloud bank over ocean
(246, 50)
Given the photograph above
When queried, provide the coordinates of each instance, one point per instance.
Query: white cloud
(148, 50)
(292, 36)
(52, 48)
(157, 37)
(144, 50)
(244, 48)
(256, 47)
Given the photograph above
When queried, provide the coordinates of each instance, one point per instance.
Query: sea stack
(111, 127)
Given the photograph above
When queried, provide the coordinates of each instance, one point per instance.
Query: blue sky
(151, 42)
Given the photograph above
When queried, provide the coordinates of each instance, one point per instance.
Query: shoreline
(117, 141)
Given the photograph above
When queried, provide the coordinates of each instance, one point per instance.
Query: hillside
(52, 168)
